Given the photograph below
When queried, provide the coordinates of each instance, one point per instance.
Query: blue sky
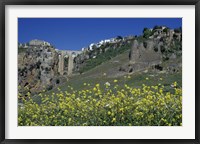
(75, 33)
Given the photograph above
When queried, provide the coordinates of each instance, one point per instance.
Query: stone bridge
(69, 55)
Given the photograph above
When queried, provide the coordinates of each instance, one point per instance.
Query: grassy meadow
(139, 99)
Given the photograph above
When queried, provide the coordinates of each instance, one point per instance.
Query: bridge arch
(69, 55)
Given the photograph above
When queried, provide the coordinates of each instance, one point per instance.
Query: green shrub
(147, 33)
(21, 50)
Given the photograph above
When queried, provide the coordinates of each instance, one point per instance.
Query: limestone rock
(134, 53)
(37, 67)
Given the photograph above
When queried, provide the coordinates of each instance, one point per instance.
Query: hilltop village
(40, 63)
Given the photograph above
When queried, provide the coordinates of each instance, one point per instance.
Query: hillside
(158, 50)
(109, 71)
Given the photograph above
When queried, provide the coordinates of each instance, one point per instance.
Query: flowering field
(105, 104)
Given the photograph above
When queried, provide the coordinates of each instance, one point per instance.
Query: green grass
(103, 57)
(21, 50)
(136, 80)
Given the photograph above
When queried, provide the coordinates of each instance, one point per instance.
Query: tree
(147, 33)
(166, 30)
(119, 37)
(178, 30)
(157, 27)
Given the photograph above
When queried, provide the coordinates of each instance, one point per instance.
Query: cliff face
(154, 51)
(37, 68)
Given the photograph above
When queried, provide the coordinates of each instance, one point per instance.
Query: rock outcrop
(38, 68)
(141, 58)
(152, 52)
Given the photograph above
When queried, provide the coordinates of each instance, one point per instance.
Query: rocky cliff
(37, 68)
